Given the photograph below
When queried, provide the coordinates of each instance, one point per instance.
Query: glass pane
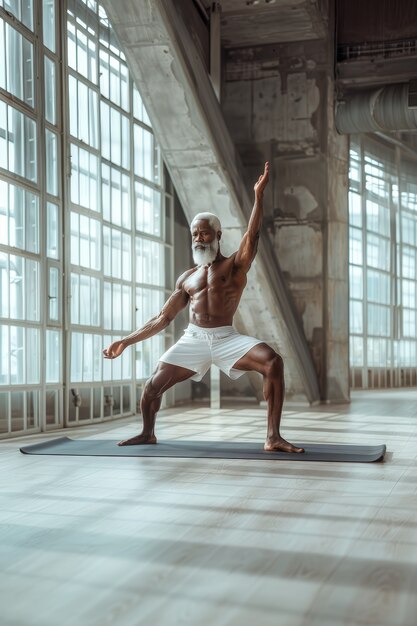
(4, 412)
(356, 318)
(84, 178)
(4, 355)
(124, 87)
(115, 136)
(48, 14)
(377, 218)
(378, 285)
(95, 302)
(379, 323)
(126, 308)
(53, 353)
(51, 142)
(409, 262)
(3, 136)
(378, 252)
(85, 311)
(21, 144)
(17, 291)
(32, 409)
(144, 165)
(356, 351)
(16, 216)
(116, 253)
(116, 197)
(21, 218)
(52, 231)
(105, 192)
(75, 238)
(149, 262)
(107, 306)
(126, 257)
(51, 407)
(97, 357)
(97, 402)
(76, 357)
(84, 411)
(17, 77)
(125, 142)
(376, 352)
(53, 295)
(21, 9)
(105, 130)
(138, 107)
(409, 323)
(409, 293)
(114, 80)
(88, 358)
(126, 399)
(17, 410)
(32, 363)
(148, 304)
(4, 285)
(104, 73)
(126, 219)
(32, 291)
(50, 90)
(32, 222)
(148, 209)
(117, 307)
(95, 245)
(116, 396)
(75, 299)
(17, 370)
(4, 211)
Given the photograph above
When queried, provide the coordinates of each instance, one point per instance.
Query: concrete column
(335, 383)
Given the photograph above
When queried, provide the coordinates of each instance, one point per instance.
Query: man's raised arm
(249, 244)
(175, 303)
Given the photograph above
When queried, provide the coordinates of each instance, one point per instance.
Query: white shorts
(200, 347)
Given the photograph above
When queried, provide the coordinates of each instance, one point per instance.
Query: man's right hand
(114, 350)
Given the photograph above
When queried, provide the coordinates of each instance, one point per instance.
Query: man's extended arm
(249, 244)
(175, 303)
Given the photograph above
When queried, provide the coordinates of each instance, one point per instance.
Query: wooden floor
(130, 541)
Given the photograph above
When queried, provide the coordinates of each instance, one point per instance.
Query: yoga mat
(208, 450)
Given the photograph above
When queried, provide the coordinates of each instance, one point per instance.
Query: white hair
(212, 219)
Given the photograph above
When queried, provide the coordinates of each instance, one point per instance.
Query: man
(213, 290)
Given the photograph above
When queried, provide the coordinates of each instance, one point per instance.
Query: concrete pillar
(335, 381)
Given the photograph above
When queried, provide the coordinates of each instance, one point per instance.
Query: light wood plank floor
(129, 541)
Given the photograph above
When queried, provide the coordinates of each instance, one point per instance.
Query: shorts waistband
(209, 331)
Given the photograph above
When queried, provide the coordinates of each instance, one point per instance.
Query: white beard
(203, 257)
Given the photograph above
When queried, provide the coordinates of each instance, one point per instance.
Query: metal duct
(382, 109)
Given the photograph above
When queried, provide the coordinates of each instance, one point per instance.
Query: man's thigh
(256, 359)
(166, 375)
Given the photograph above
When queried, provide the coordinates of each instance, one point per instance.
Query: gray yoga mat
(208, 450)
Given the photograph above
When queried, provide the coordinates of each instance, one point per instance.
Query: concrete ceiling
(257, 22)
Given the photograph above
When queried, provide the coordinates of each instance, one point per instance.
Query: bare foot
(139, 440)
(280, 445)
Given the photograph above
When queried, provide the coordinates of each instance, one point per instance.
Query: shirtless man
(213, 289)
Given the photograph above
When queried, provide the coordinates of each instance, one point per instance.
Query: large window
(382, 265)
(85, 219)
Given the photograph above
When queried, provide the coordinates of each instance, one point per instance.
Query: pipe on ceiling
(382, 109)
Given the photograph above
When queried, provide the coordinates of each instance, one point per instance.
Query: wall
(278, 104)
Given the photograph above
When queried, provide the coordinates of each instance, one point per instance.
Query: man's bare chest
(210, 278)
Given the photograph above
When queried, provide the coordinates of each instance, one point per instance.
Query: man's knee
(274, 367)
(152, 390)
